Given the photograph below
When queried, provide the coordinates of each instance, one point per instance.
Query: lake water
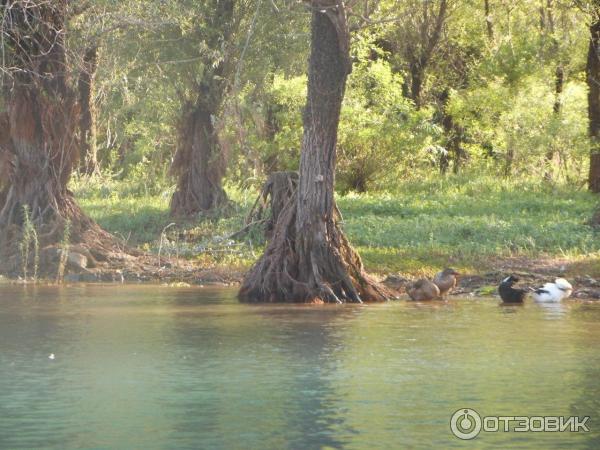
(148, 367)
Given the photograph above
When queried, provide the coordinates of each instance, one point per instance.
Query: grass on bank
(416, 227)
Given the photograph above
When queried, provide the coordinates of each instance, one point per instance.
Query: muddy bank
(81, 267)
(486, 284)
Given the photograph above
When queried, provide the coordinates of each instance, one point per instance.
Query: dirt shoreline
(146, 270)
(532, 272)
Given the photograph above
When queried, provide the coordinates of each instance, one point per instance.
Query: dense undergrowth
(415, 227)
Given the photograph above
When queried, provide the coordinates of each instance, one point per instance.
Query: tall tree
(417, 36)
(199, 162)
(309, 259)
(42, 110)
(593, 82)
(42, 116)
(548, 26)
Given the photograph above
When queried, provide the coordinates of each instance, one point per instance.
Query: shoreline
(182, 273)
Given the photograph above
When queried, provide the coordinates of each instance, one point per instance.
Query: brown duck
(446, 280)
(423, 289)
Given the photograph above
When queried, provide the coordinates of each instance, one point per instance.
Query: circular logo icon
(465, 423)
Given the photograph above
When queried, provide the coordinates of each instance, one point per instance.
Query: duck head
(510, 280)
(450, 272)
(564, 286)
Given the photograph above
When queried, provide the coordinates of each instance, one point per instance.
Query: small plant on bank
(64, 252)
(29, 239)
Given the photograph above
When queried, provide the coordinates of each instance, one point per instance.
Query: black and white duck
(553, 292)
(508, 293)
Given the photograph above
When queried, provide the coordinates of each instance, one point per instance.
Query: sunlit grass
(416, 227)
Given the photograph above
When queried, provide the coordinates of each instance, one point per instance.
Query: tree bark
(6, 153)
(199, 162)
(417, 72)
(87, 120)
(42, 112)
(42, 115)
(274, 196)
(593, 82)
(309, 259)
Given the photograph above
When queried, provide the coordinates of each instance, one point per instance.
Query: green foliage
(285, 97)
(468, 220)
(501, 89)
(500, 119)
(125, 208)
(380, 130)
(523, 158)
(379, 133)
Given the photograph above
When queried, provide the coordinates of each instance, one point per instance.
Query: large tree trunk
(309, 259)
(199, 162)
(42, 112)
(42, 115)
(87, 119)
(593, 82)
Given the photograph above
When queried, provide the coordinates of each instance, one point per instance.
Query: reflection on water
(152, 367)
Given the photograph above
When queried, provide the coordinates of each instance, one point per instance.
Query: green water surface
(149, 367)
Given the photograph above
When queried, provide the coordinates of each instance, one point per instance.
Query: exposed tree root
(333, 271)
(274, 195)
(97, 248)
(39, 147)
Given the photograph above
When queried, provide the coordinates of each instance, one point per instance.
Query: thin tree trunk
(593, 81)
(488, 20)
(429, 35)
(454, 136)
(510, 155)
(416, 82)
(309, 259)
(559, 80)
(87, 119)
